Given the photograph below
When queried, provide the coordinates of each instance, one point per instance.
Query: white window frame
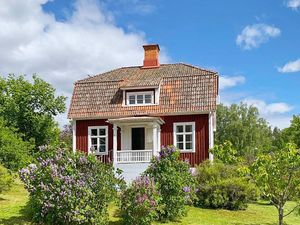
(128, 94)
(98, 136)
(184, 136)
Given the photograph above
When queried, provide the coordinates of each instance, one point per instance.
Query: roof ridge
(197, 67)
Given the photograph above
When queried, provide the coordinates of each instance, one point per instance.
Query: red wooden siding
(201, 127)
(82, 137)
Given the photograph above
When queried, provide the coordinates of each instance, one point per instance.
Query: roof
(183, 89)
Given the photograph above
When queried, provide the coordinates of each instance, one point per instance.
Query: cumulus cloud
(290, 67)
(269, 109)
(61, 52)
(253, 36)
(294, 4)
(228, 82)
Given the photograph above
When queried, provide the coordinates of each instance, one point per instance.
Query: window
(184, 136)
(98, 140)
(140, 98)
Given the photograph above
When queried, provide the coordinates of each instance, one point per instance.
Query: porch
(140, 139)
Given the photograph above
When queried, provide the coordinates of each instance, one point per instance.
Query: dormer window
(140, 98)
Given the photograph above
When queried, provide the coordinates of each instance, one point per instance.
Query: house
(125, 115)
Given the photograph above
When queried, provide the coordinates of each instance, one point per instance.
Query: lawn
(12, 212)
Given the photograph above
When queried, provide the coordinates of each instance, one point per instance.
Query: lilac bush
(69, 188)
(140, 202)
(175, 183)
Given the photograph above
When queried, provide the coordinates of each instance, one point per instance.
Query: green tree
(292, 133)
(66, 136)
(14, 152)
(31, 107)
(225, 152)
(242, 126)
(277, 175)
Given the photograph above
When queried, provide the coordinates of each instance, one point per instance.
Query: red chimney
(151, 56)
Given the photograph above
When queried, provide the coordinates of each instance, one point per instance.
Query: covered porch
(140, 139)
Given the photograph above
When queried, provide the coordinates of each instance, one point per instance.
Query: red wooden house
(125, 115)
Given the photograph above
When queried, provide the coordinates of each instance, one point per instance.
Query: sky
(253, 45)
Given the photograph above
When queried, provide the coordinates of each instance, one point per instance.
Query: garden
(254, 179)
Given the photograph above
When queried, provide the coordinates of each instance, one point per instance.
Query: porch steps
(131, 170)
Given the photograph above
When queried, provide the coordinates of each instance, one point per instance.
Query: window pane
(188, 128)
(93, 148)
(102, 131)
(179, 138)
(102, 148)
(188, 146)
(179, 129)
(188, 137)
(180, 146)
(131, 99)
(94, 141)
(102, 141)
(148, 99)
(139, 99)
(94, 132)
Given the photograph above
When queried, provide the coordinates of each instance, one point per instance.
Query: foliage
(139, 202)
(5, 179)
(242, 126)
(30, 107)
(14, 152)
(221, 186)
(278, 177)
(175, 182)
(69, 188)
(66, 136)
(292, 133)
(225, 152)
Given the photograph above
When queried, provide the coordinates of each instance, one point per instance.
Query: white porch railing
(134, 156)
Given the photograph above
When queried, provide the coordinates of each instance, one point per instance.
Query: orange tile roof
(183, 89)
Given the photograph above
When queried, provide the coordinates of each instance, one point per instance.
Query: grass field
(13, 211)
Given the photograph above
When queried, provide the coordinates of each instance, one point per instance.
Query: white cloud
(269, 109)
(290, 67)
(294, 4)
(228, 82)
(253, 36)
(88, 42)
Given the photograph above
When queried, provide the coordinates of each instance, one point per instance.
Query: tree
(14, 152)
(31, 107)
(277, 175)
(5, 179)
(242, 126)
(66, 136)
(293, 132)
(225, 153)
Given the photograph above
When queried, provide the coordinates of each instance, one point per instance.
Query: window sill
(187, 151)
(100, 154)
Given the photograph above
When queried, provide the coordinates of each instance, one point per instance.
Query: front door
(138, 138)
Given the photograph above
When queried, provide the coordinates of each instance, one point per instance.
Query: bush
(221, 186)
(68, 188)
(175, 183)
(14, 152)
(5, 179)
(140, 202)
(226, 153)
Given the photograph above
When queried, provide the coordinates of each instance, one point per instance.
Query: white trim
(74, 135)
(155, 136)
(138, 88)
(184, 133)
(136, 93)
(115, 142)
(211, 135)
(98, 136)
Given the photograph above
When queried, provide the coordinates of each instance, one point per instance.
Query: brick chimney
(151, 56)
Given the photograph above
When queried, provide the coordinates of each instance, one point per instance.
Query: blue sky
(254, 44)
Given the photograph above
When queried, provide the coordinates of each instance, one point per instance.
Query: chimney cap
(150, 46)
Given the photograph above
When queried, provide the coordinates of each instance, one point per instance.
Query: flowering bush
(69, 188)
(140, 202)
(174, 181)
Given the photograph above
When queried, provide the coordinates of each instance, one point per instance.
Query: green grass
(13, 212)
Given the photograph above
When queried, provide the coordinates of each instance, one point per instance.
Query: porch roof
(140, 119)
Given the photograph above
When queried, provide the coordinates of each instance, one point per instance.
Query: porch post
(115, 143)
(155, 128)
(158, 139)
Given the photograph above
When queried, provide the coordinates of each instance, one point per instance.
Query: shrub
(175, 182)
(14, 152)
(226, 153)
(5, 179)
(140, 202)
(68, 188)
(221, 186)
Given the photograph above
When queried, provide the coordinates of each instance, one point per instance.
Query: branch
(292, 210)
